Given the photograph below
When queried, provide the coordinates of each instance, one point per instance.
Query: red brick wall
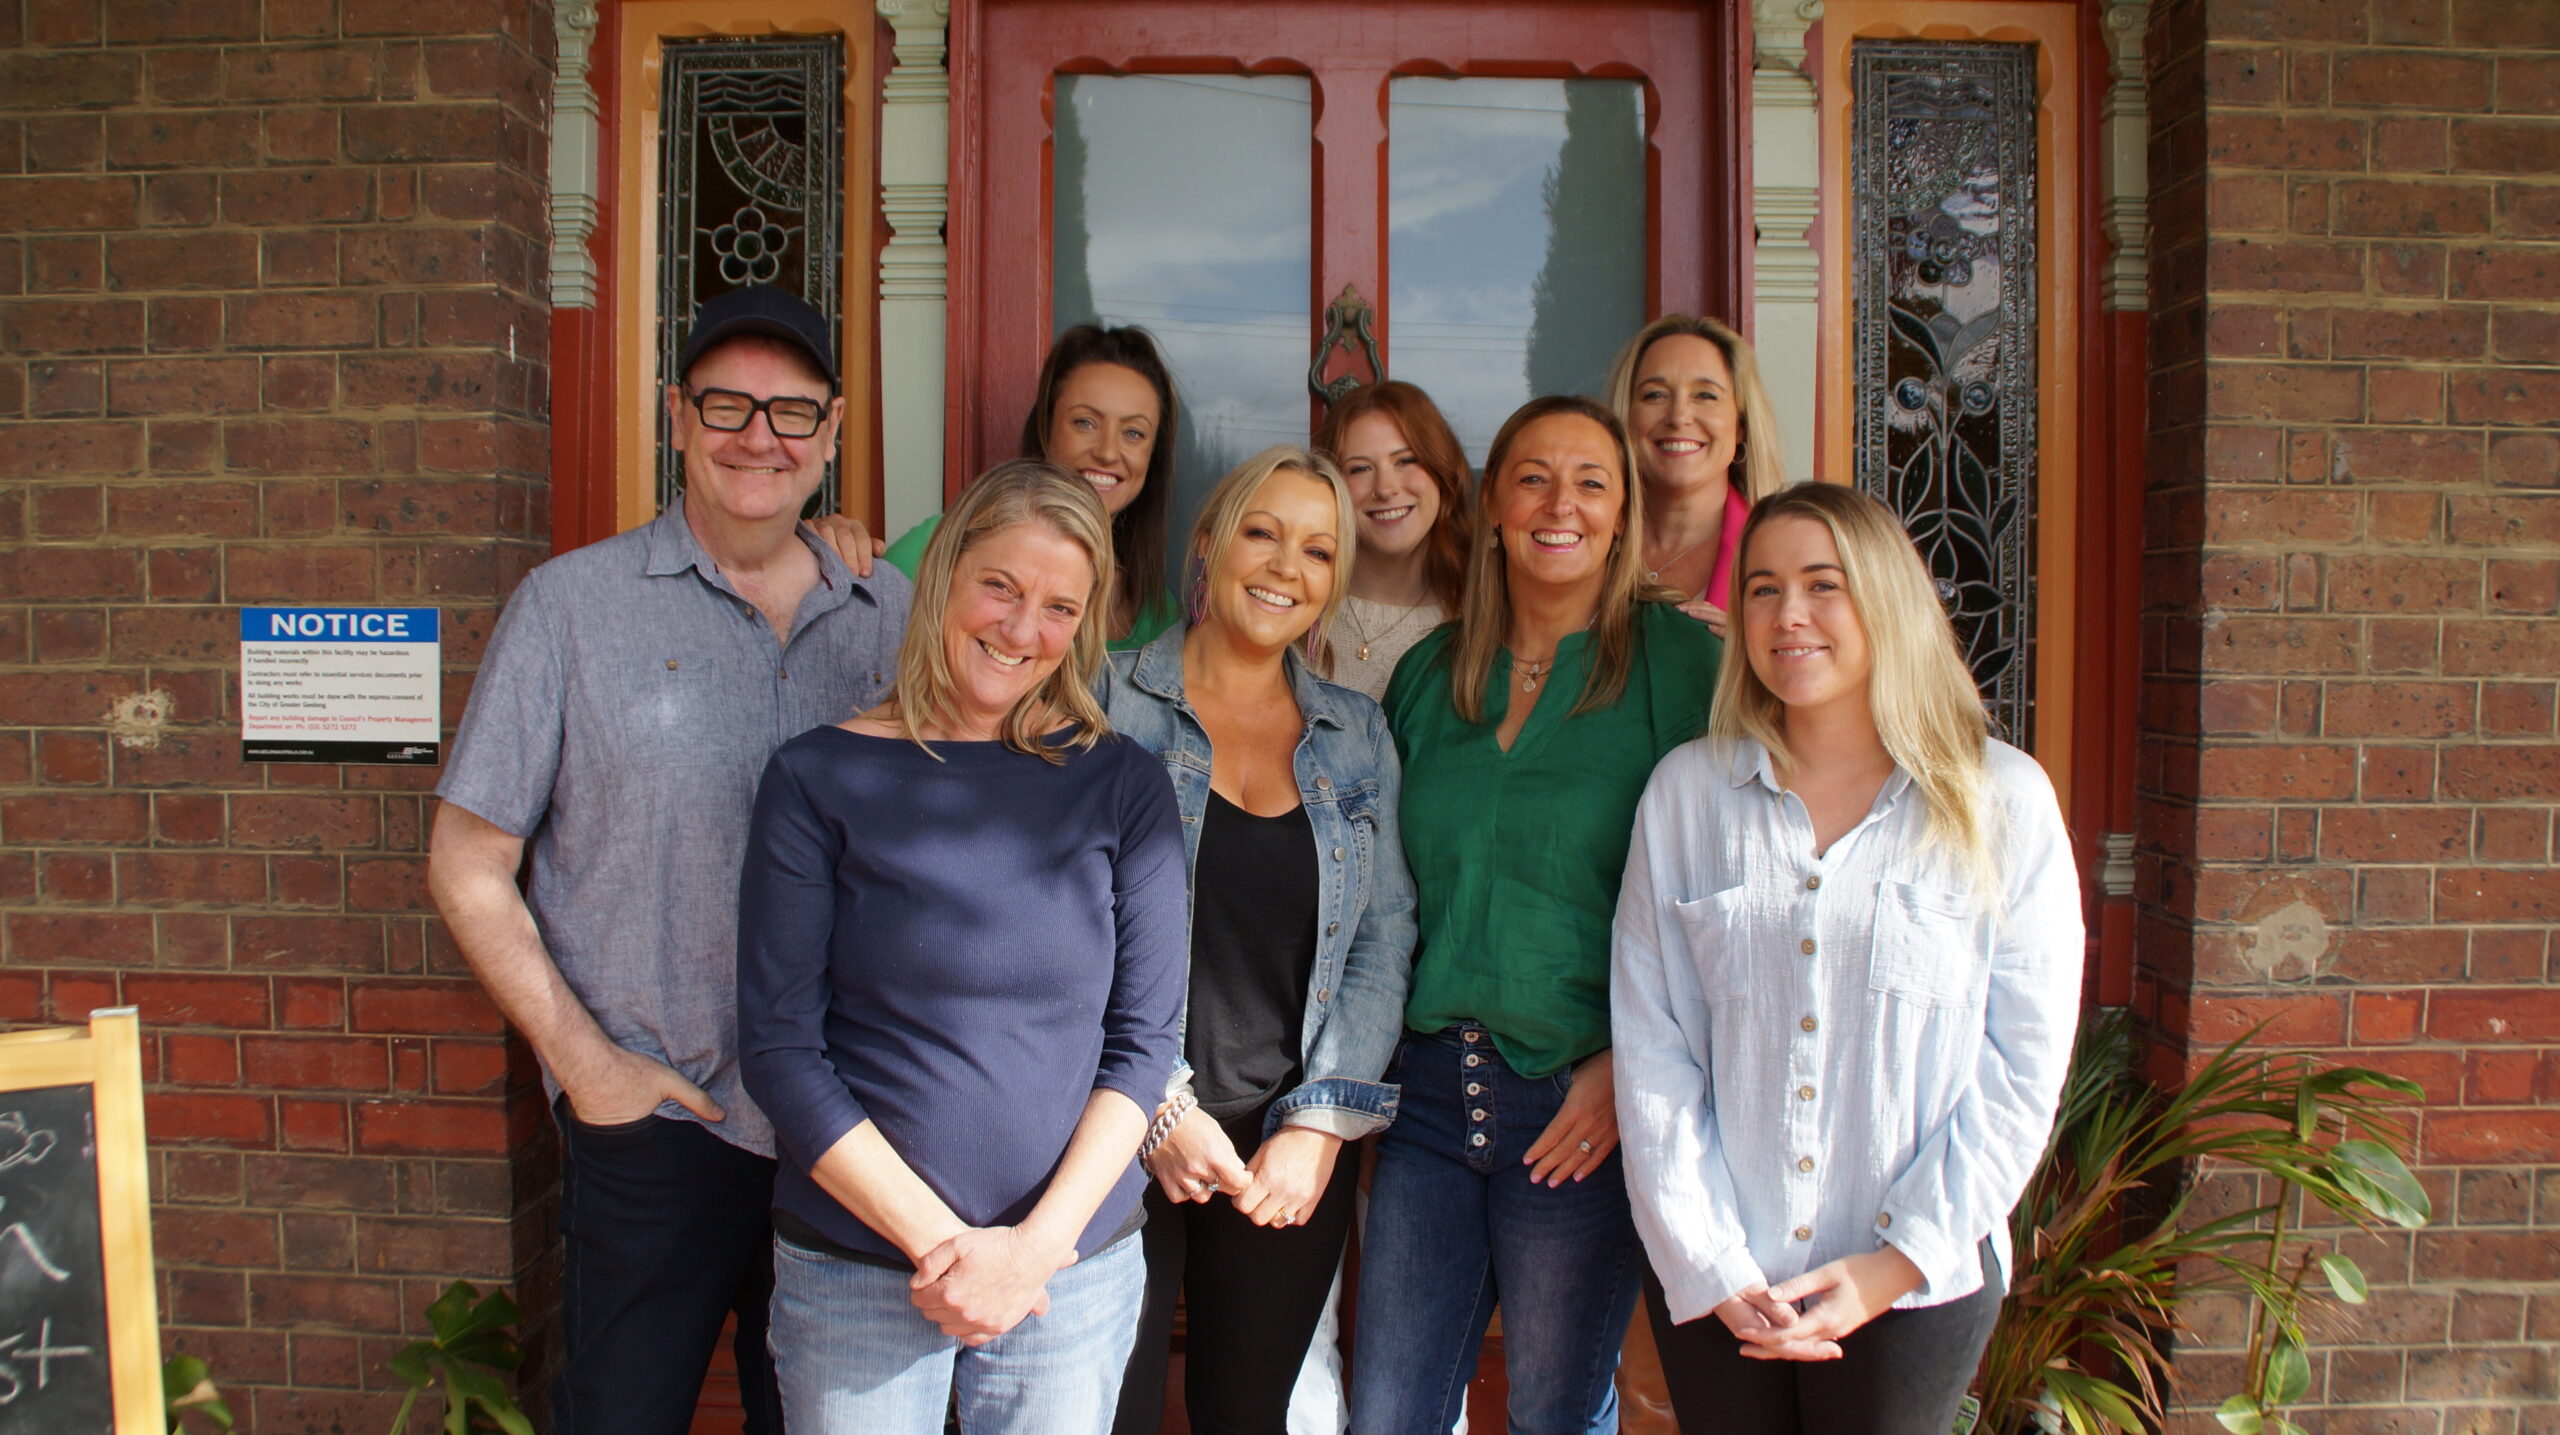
(2352, 630)
(270, 331)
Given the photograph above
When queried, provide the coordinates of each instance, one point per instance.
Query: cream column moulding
(573, 159)
(2124, 126)
(915, 265)
(1786, 198)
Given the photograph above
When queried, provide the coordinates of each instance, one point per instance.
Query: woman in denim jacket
(1301, 936)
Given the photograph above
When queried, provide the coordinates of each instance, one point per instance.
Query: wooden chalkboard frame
(106, 1056)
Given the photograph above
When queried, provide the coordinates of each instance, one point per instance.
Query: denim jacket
(1349, 780)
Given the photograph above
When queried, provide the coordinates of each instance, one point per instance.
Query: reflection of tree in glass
(1071, 243)
(1590, 293)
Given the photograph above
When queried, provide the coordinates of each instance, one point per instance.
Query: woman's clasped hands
(986, 1280)
(1278, 1187)
(1839, 1297)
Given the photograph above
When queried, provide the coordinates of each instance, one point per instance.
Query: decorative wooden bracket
(1347, 317)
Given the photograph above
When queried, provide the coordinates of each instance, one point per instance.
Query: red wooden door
(1008, 55)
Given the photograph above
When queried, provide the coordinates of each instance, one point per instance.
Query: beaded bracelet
(1166, 1119)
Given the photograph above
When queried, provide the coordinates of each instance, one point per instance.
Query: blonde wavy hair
(1484, 615)
(1927, 708)
(1013, 493)
(1214, 531)
(1763, 469)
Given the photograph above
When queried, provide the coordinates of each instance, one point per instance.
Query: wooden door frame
(1698, 255)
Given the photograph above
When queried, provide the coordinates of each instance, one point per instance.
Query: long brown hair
(1761, 468)
(1009, 495)
(1484, 617)
(1436, 448)
(1137, 531)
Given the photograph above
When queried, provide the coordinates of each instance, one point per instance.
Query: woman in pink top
(1688, 390)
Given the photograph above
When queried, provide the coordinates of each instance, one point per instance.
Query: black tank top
(1253, 950)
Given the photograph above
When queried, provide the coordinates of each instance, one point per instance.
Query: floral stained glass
(1943, 152)
(752, 171)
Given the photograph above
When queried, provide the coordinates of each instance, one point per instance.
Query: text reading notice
(340, 685)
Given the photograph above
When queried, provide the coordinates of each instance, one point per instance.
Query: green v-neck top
(1516, 855)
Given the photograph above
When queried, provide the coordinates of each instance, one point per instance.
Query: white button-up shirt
(1818, 1055)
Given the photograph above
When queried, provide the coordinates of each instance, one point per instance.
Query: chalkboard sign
(79, 1345)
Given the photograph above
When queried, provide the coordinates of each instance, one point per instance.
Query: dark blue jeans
(668, 1229)
(1456, 1227)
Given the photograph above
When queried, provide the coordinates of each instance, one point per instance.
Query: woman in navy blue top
(960, 973)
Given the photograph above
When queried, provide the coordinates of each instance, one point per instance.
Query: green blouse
(1516, 855)
(1157, 614)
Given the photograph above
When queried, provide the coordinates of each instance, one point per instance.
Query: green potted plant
(2112, 1237)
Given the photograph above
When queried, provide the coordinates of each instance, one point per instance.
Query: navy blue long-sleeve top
(959, 951)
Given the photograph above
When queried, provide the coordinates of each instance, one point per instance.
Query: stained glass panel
(752, 176)
(1943, 153)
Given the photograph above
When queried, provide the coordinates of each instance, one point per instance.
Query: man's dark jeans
(668, 1230)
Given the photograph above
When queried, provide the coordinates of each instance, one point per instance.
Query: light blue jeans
(855, 1356)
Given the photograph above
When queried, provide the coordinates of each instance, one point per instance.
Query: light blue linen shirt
(1819, 1055)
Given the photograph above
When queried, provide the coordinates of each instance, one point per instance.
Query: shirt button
(1804, 1233)
(1809, 1023)
(786, 674)
(1805, 946)
(671, 665)
(1804, 1093)
(1337, 854)
(1885, 1220)
(1476, 1140)
(1813, 884)
(1804, 1163)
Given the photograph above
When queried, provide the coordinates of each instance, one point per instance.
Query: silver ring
(1201, 1188)
(1586, 1147)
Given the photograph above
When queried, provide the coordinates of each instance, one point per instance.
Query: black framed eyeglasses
(729, 411)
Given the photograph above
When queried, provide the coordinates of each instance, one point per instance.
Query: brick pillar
(2350, 643)
(271, 331)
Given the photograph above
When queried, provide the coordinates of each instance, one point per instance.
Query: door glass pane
(1183, 203)
(1516, 226)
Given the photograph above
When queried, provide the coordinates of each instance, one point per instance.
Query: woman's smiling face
(1397, 499)
(1683, 414)
(1017, 595)
(1559, 500)
(1102, 428)
(1278, 568)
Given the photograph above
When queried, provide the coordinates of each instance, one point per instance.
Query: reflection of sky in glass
(1468, 236)
(1195, 222)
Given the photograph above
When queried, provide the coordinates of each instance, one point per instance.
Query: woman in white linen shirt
(1845, 976)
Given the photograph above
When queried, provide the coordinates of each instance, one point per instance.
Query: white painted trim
(915, 265)
(1786, 198)
(574, 148)
(2124, 130)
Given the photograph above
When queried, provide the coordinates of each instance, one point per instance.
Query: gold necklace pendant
(1364, 652)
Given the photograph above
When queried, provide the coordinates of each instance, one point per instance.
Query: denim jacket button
(1324, 994)
(1337, 854)
(1324, 784)
(1332, 927)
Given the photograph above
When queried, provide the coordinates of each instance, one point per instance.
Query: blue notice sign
(341, 685)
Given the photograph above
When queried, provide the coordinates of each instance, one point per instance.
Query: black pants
(1903, 1373)
(1251, 1296)
(668, 1229)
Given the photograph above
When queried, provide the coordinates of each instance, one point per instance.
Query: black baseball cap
(766, 310)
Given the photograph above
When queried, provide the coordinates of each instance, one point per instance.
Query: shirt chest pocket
(1932, 947)
(1715, 928)
(684, 708)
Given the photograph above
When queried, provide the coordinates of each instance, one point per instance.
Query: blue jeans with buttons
(1456, 1228)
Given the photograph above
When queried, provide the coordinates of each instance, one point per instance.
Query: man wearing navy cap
(622, 715)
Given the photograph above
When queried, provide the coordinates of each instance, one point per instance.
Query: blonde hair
(1484, 615)
(1013, 493)
(1214, 531)
(1763, 469)
(1927, 708)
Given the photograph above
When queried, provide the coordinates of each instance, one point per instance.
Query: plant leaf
(2240, 1416)
(415, 1363)
(2288, 1372)
(2377, 1176)
(2346, 1278)
(451, 1307)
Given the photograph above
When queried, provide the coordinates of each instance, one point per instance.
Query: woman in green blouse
(1527, 729)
